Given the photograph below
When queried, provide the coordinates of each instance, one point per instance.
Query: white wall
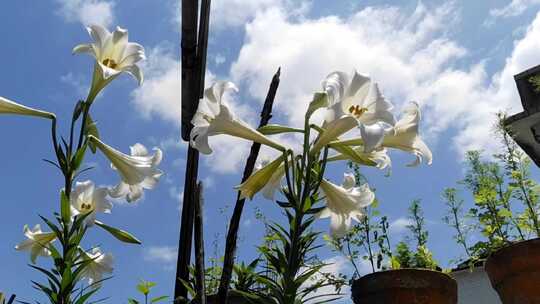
(474, 287)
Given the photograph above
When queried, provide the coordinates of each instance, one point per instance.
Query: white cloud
(397, 49)
(410, 55)
(338, 265)
(219, 59)
(177, 194)
(165, 255)
(399, 226)
(87, 11)
(160, 93)
(76, 82)
(235, 13)
(514, 8)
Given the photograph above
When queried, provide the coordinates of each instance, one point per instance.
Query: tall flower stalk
(79, 206)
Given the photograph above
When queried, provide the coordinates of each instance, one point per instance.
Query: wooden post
(199, 246)
(194, 49)
(190, 9)
(232, 235)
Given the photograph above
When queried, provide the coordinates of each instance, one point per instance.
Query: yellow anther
(357, 111)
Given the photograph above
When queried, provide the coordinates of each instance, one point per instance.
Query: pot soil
(514, 272)
(405, 286)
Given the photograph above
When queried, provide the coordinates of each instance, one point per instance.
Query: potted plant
(506, 206)
(144, 288)
(402, 276)
(514, 269)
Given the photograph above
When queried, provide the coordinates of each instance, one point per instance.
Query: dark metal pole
(199, 246)
(232, 235)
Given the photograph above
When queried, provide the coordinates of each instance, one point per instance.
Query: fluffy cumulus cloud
(514, 8)
(160, 92)
(235, 13)
(398, 49)
(87, 11)
(410, 54)
(164, 255)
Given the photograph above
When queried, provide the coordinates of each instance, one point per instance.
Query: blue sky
(456, 58)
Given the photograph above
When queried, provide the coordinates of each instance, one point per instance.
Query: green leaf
(159, 299)
(91, 129)
(351, 154)
(47, 273)
(66, 278)
(278, 129)
(394, 263)
(133, 301)
(79, 157)
(78, 110)
(65, 208)
(121, 235)
(85, 297)
(144, 287)
(320, 100)
(503, 212)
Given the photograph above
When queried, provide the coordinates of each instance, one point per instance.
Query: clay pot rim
(506, 248)
(406, 270)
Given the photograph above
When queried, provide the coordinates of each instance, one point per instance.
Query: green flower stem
(68, 232)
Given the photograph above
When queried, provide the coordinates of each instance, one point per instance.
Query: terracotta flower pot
(232, 299)
(514, 272)
(405, 286)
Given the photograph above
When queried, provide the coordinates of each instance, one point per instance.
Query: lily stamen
(357, 110)
(110, 63)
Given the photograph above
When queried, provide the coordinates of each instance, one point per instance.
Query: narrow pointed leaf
(121, 235)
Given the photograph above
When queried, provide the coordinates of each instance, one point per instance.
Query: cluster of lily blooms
(357, 116)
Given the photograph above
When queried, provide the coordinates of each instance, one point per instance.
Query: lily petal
(259, 179)
(10, 107)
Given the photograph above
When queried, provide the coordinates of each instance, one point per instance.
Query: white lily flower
(406, 136)
(214, 117)
(86, 198)
(260, 180)
(274, 182)
(379, 156)
(137, 172)
(345, 203)
(37, 242)
(99, 264)
(10, 107)
(113, 54)
(352, 101)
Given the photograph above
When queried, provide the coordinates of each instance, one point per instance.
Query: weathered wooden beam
(190, 9)
(232, 235)
(189, 105)
(186, 225)
(202, 47)
(199, 246)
